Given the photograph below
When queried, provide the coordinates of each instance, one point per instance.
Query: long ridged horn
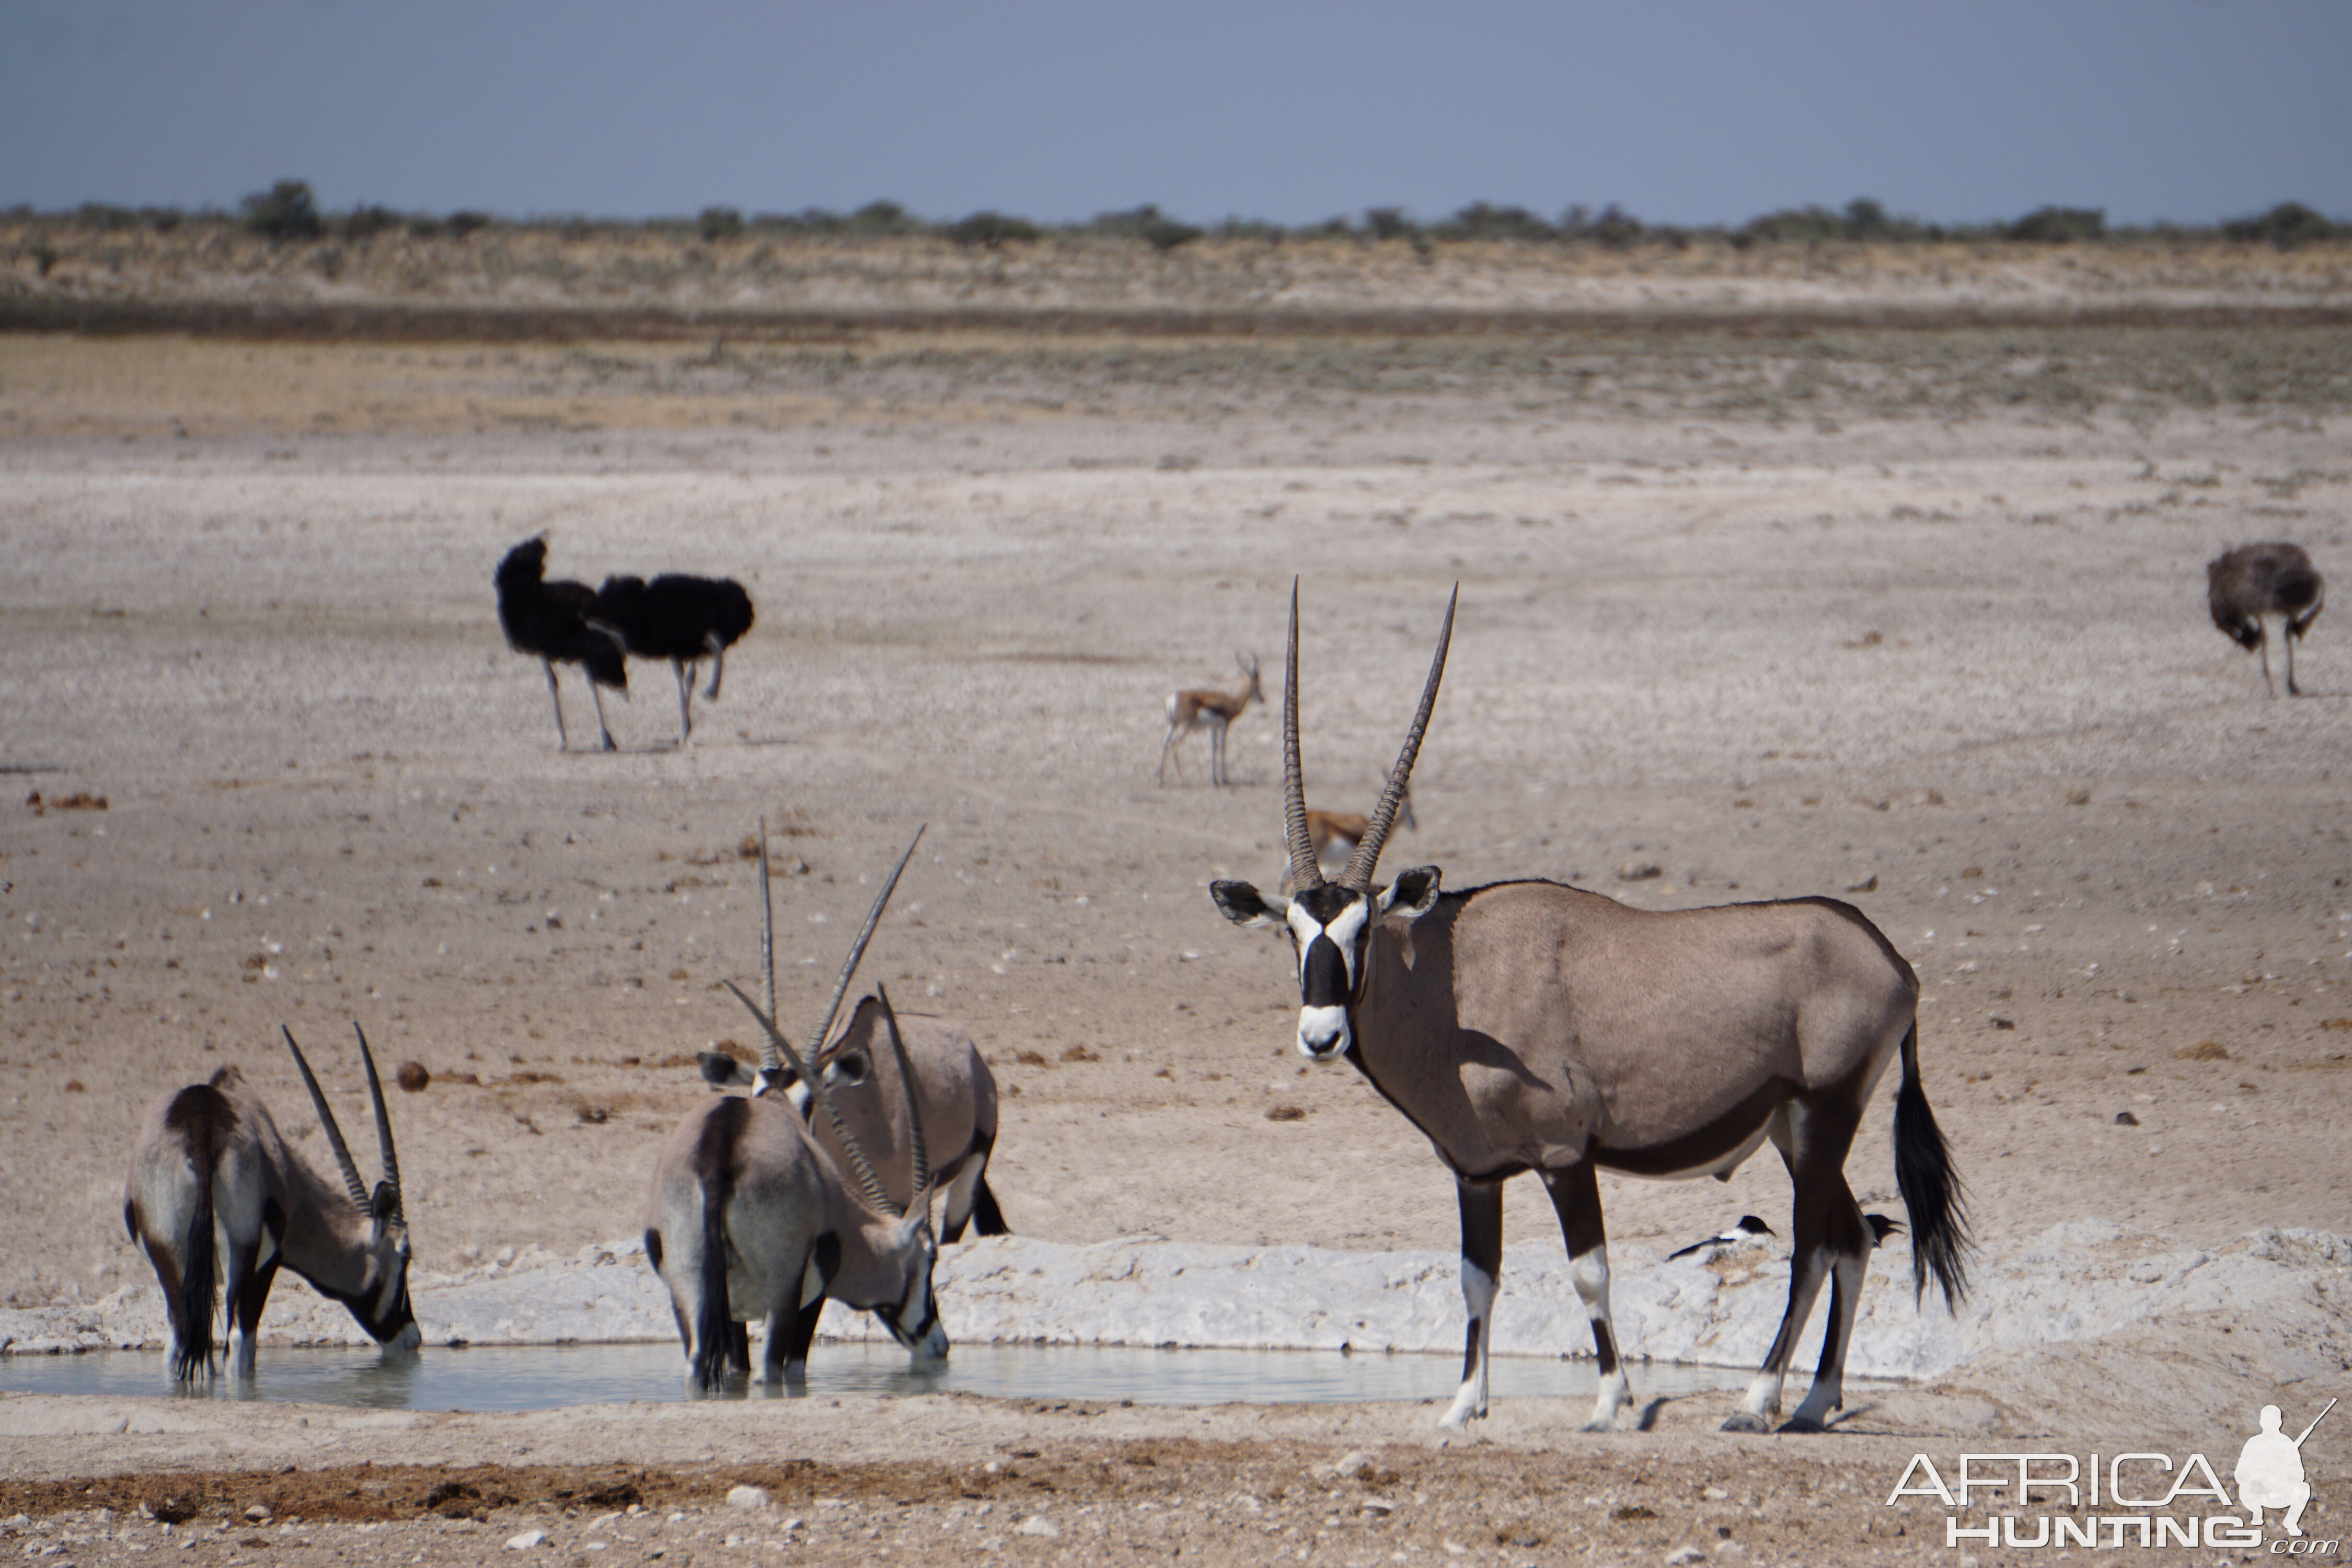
(877, 1196)
(768, 1061)
(919, 1199)
(1304, 872)
(857, 948)
(1366, 857)
(352, 1181)
(382, 1118)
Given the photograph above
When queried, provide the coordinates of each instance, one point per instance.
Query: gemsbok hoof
(1745, 1421)
(1803, 1423)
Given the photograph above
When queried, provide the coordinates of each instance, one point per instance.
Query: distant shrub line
(289, 213)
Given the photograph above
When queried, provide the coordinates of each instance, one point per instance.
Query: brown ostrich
(2244, 585)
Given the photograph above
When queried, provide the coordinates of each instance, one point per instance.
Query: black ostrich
(679, 618)
(2244, 585)
(550, 619)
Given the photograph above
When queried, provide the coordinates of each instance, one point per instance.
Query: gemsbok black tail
(1931, 1188)
(192, 1347)
(720, 1159)
(986, 1218)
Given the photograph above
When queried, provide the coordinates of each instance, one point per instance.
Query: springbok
(2274, 578)
(1528, 1025)
(217, 1197)
(750, 1217)
(953, 1085)
(1338, 832)
(1210, 710)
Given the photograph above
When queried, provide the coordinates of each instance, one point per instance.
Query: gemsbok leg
(246, 1278)
(1830, 1237)
(1575, 1198)
(1482, 1269)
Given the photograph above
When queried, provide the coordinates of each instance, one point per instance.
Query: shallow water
(540, 1377)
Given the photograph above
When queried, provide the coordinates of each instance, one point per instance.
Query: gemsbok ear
(721, 1070)
(1413, 893)
(1243, 905)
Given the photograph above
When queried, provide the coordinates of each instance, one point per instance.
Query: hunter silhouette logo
(2106, 1502)
(2270, 1472)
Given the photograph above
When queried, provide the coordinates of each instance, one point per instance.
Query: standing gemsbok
(953, 1091)
(217, 1198)
(750, 1218)
(953, 1086)
(1212, 710)
(1532, 1027)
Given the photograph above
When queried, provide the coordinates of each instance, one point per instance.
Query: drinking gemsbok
(217, 1198)
(750, 1218)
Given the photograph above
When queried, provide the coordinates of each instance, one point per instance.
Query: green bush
(1389, 223)
(1616, 227)
(1148, 223)
(366, 222)
(2286, 226)
(719, 223)
(1481, 220)
(463, 222)
(889, 218)
(992, 229)
(286, 211)
(2058, 225)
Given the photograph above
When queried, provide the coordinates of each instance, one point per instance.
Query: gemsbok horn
(216, 1197)
(751, 1217)
(1528, 1025)
(953, 1087)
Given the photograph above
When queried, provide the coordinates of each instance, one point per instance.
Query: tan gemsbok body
(217, 1198)
(751, 1216)
(1201, 708)
(1532, 1027)
(954, 1089)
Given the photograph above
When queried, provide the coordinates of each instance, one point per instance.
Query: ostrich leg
(563, 740)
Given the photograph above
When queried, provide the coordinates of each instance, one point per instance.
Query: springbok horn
(1366, 857)
(383, 1117)
(351, 1181)
(857, 948)
(768, 1061)
(1304, 871)
(877, 1196)
(920, 1199)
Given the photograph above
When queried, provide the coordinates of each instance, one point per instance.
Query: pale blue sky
(1683, 111)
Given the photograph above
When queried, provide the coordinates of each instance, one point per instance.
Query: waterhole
(542, 1378)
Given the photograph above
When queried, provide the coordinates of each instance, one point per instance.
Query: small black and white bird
(684, 619)
(1749, 1229)
(554, 620)
(1881, 1227)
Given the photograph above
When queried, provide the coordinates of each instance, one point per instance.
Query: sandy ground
(1915, 621)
